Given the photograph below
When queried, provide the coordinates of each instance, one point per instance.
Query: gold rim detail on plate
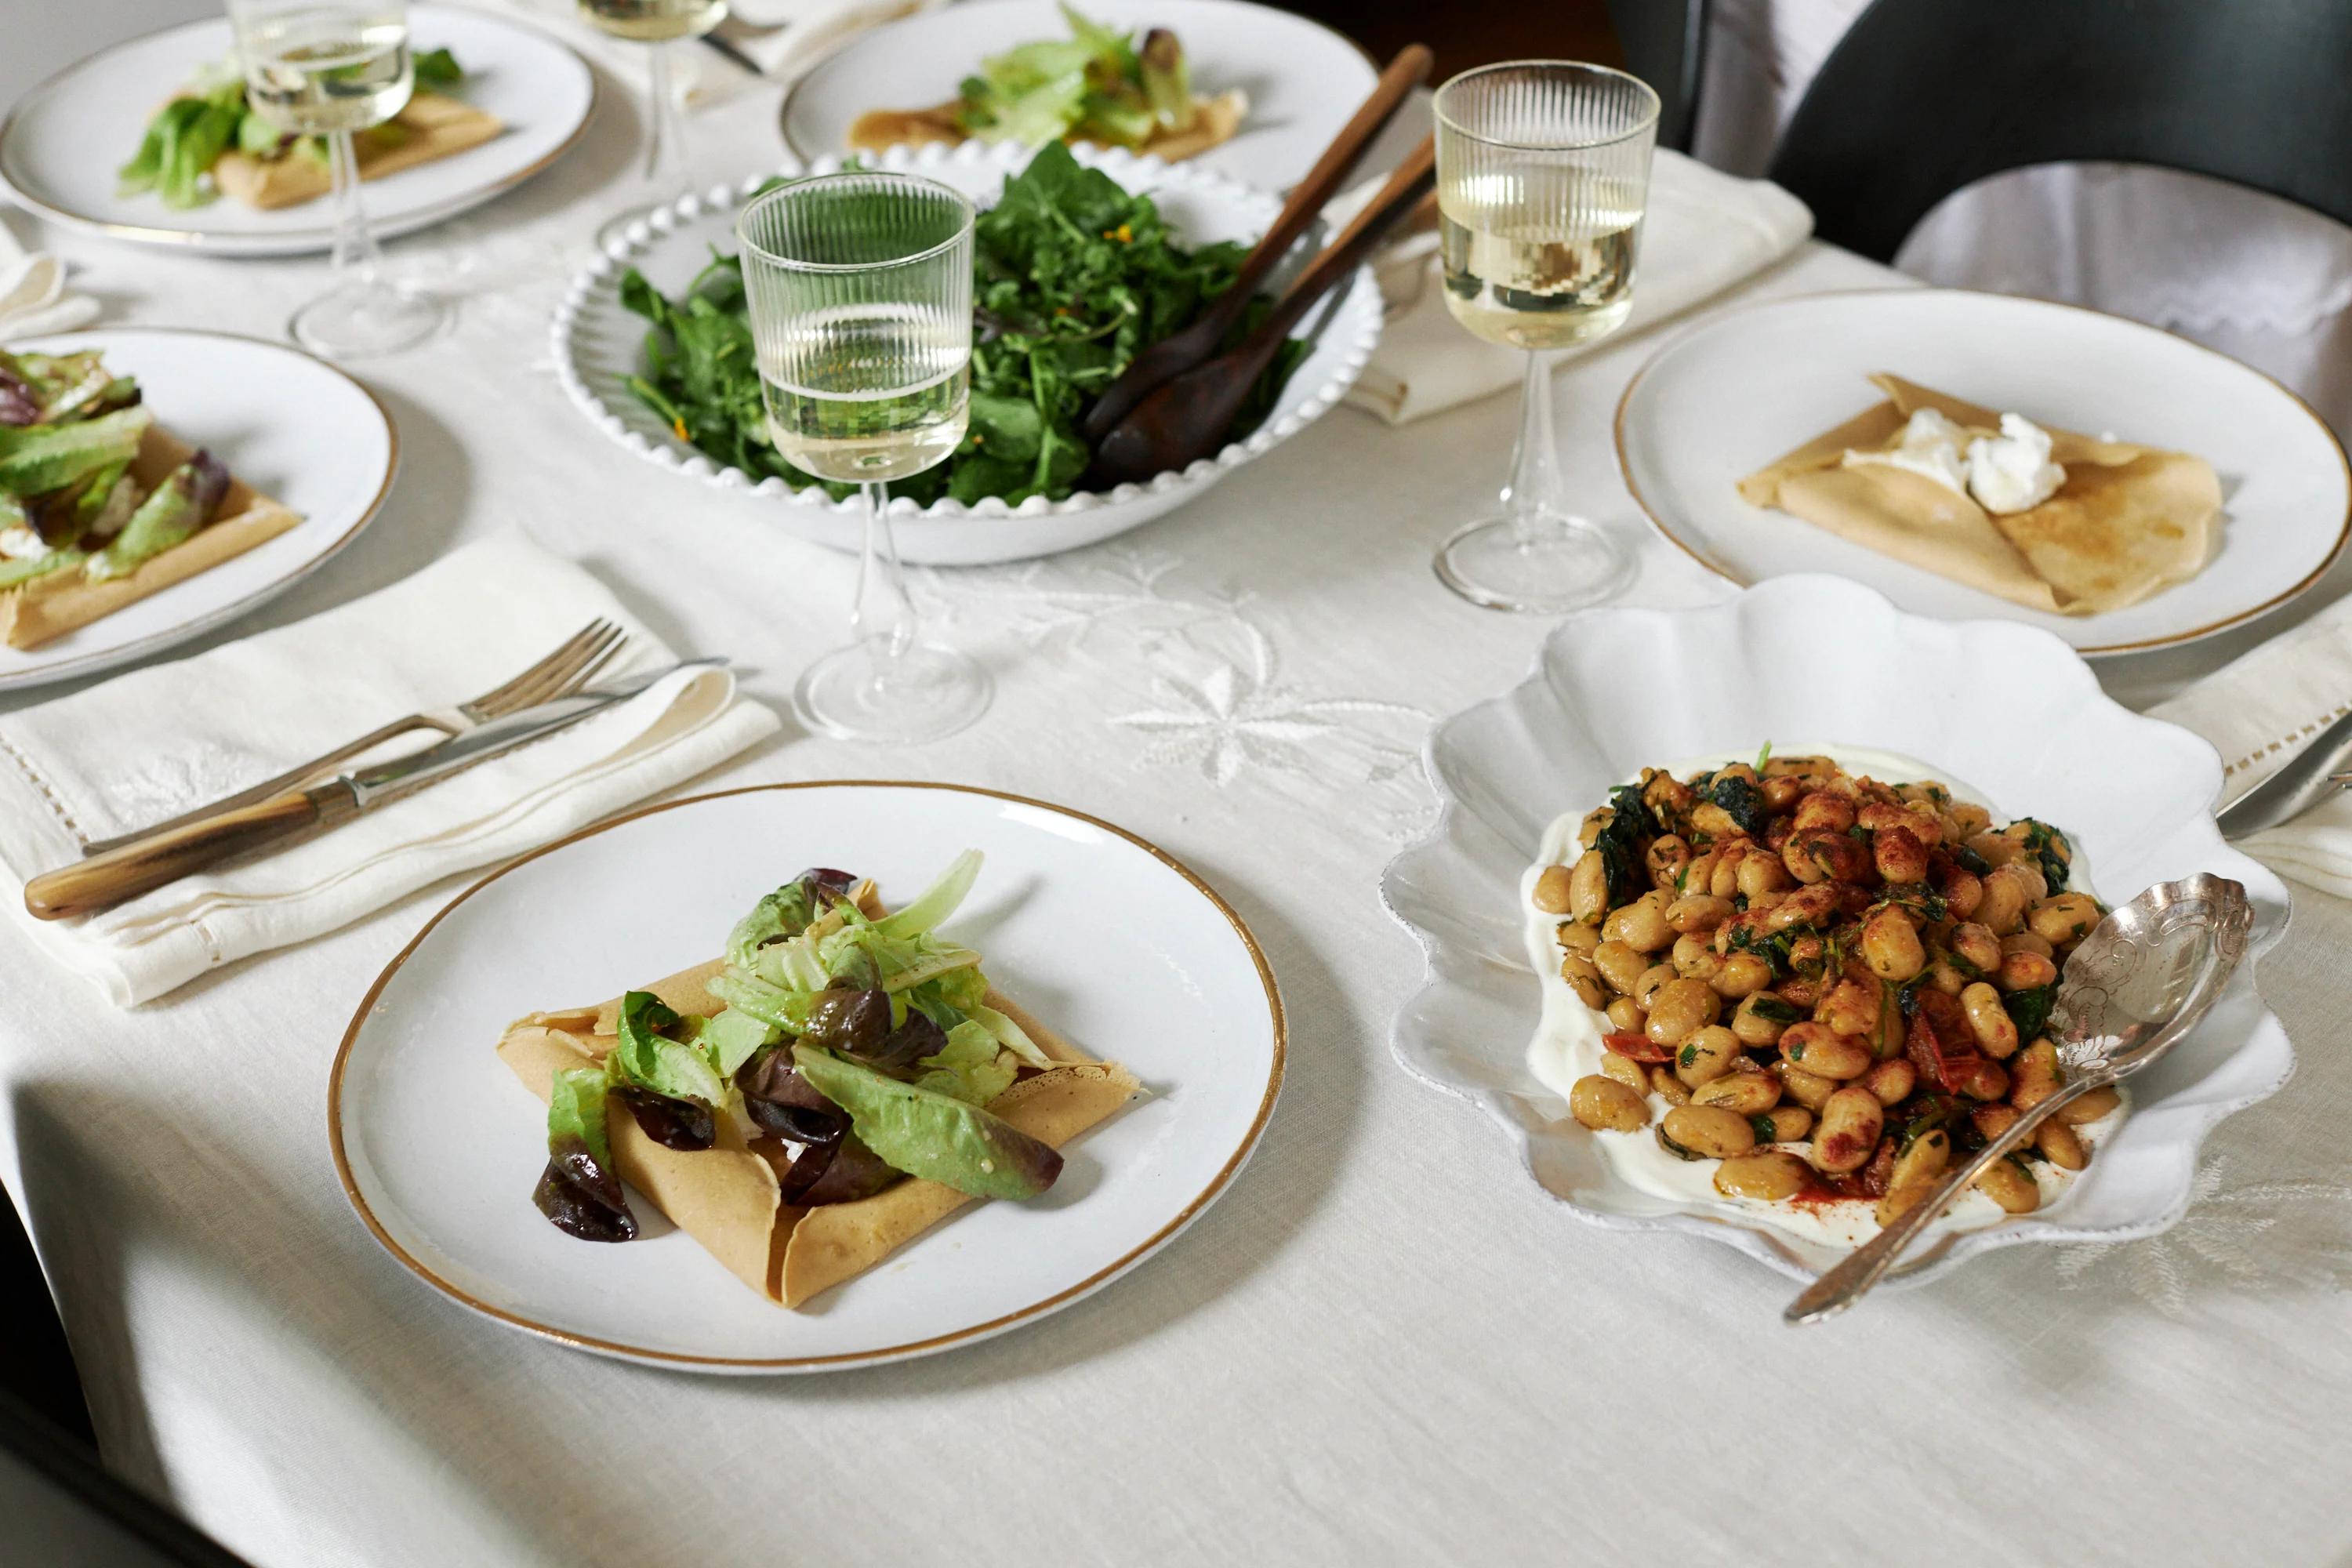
(972, 1332)
(310, 241)
(127, 653)
(2004, 609)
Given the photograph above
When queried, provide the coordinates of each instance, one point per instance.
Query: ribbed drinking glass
(1543, 172)
(859, 287)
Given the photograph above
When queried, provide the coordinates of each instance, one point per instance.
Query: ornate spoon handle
(1845, 1285)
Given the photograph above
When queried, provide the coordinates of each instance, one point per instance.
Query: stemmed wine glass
(658, 24)
(330, 69)
(859, 287)
(1543, 172)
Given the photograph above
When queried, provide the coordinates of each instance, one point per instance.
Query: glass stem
(665, 148)
(356, 255)
(891, 632)
(1534, 490)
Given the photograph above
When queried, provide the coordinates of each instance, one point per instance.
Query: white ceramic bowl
(1817, 660)
(599, 345)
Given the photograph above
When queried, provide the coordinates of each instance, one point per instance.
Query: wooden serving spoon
(1187, 416)
(1179, 351)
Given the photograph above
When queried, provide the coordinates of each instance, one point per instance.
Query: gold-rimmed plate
(1730, 394)
(1113, 941)
(289, 425)
(60, 146)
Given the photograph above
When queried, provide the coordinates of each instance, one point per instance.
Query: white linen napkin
(2258, 711)
(33, 297)
(1706, 231)
(786, 37)
(151, 744)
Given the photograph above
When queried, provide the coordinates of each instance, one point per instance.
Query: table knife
(2311, 772)
(121, 875)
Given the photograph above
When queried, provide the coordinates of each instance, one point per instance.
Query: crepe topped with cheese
(2126, 522)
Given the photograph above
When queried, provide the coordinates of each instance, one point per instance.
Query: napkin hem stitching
(34, 776)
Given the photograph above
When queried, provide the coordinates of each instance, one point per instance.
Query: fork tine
(536, 684)
(589, 671)
(501, 699)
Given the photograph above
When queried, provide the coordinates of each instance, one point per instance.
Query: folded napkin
(1705, 231)
(151, 744)
(2258, 711)
(786, 37)
(32, 297)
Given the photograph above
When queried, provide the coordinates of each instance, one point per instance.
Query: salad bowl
(599, 346)
(2007, 714)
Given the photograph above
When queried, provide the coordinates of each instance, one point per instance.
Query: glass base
(858, 693)
(1562, 563)
(361, 318)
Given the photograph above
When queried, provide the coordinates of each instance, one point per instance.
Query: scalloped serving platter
(599, 345)
(1817, 660)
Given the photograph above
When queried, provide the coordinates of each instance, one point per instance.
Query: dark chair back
(1923, 97)
(1664, 42)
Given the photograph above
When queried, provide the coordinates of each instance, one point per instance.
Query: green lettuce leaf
(645, 1058)
(973, 1068)
(934, 1136)
(576, 1110)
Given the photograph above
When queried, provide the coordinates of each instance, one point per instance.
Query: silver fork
(563, 672)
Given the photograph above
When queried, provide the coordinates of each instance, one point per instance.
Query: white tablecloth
(1384, 1344)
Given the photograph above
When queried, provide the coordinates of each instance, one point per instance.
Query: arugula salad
(69, 505)
(211, 117)
(865, 1048)
(1073, 276)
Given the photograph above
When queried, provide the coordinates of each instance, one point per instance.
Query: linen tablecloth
(1385, 1344)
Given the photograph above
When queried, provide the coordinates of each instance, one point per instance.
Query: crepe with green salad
(839, 1081)
(100, 506)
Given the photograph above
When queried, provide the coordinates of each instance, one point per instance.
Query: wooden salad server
(1187, 416)
(1179, 351)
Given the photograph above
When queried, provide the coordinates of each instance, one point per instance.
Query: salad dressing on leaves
(1568, 1046)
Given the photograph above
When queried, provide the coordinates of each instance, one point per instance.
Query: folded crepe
(53, 605)
(2128, 522)
(1214, 121)
(727, 1197)
(431, 126)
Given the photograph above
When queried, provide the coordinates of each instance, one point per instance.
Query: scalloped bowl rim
(1358, 300)
(2272, 903)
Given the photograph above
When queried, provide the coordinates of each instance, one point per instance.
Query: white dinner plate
(1304, 80)
(1112, 943)
(291, 425)
(1728, 395)
(60, 147)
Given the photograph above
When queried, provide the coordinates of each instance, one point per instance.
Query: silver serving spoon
(2133, 988)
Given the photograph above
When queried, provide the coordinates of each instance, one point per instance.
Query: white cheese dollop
(2011, 472)
(21, 544)
(1930, 446)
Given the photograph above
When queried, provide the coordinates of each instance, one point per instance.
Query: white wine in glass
(653, 21)
(330, 69)
(1517, 275)
(317, 71)
(828, 416)
(1543, 172)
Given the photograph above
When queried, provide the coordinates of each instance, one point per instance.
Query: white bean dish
(1793, 988)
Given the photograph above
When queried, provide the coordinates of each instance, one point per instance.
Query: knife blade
(2311, 772)
(117, 876)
